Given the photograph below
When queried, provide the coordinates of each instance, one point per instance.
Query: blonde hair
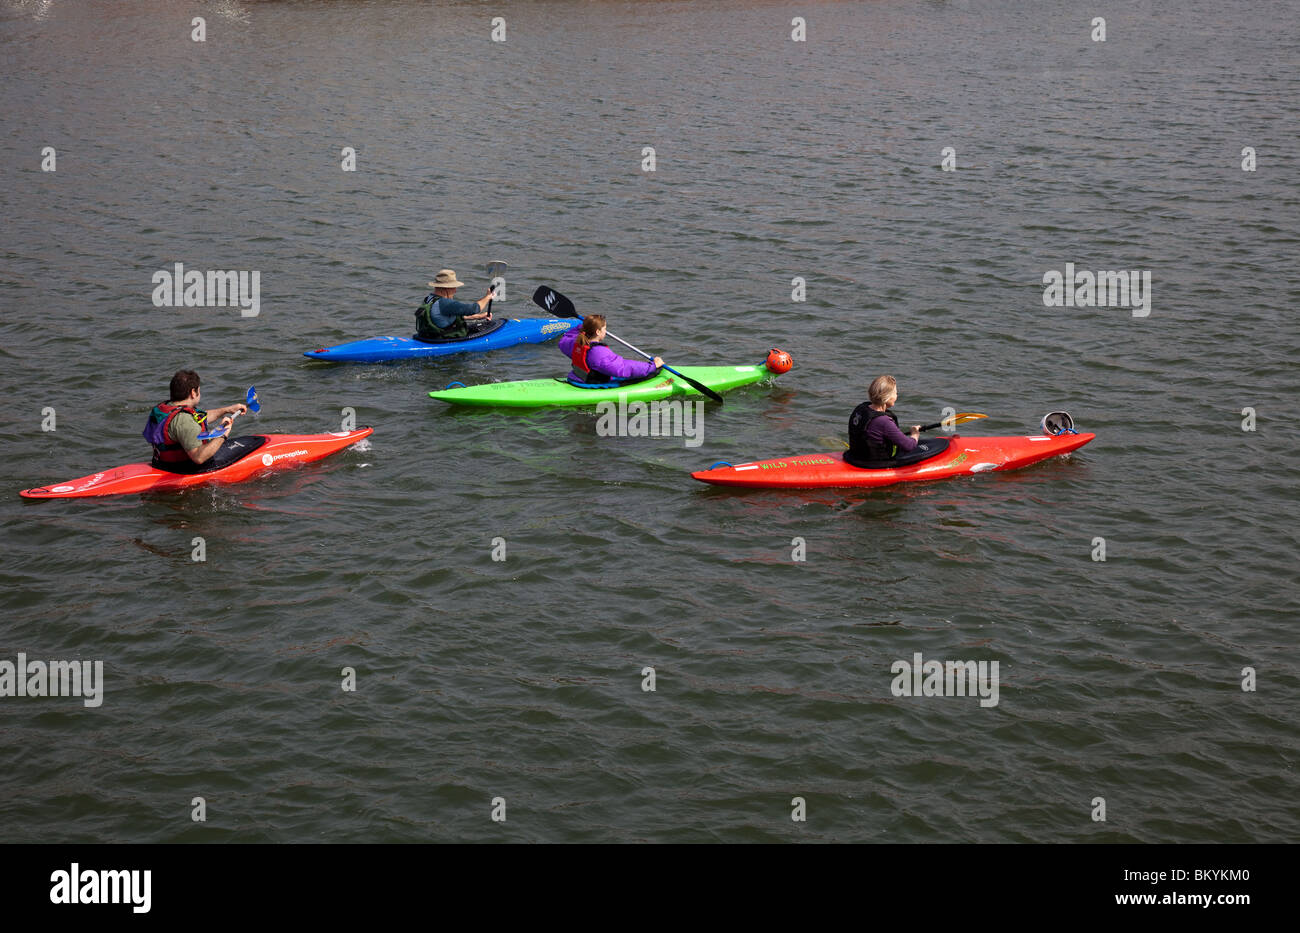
(591, 324)
(881, 388)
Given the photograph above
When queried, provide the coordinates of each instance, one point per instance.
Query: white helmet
(1058, 422)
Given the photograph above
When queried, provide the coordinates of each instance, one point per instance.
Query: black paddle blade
(551, 301)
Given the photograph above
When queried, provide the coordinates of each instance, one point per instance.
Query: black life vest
(859, 447)
(155, 431)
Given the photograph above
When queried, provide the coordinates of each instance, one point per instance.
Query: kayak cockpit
(924, 450)
(474, 334)
(618, 384)
(230, 452)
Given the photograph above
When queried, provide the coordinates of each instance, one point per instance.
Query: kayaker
(874, 434)
(174, 426)
(596, 364)
(441, 316)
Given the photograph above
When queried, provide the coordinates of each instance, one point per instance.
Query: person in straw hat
(441, 316)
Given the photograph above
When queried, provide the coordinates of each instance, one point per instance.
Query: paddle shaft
(211, 435)
(699, 387)
(494, 269)
(940, 424)
(956, 420)
(959, 418)
(562, 306)
(250, 403)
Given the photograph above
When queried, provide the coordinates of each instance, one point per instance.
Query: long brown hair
(590, 325)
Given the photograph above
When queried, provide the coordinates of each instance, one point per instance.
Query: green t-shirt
(184, 430)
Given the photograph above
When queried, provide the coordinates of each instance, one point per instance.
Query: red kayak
(961, 456)
(240, 459)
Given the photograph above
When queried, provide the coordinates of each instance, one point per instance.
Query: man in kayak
(596, 364)
(874, 434)
(441, 317)
(174, 426)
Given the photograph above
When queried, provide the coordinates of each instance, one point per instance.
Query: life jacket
(859, 445)
(584, 372)
(160, 420)
(425, 326)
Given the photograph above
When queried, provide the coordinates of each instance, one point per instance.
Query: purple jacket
(884, 431)
(605, 361)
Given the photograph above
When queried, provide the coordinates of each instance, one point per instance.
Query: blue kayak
(507, 333)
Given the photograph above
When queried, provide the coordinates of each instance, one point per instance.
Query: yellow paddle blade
(963, 416)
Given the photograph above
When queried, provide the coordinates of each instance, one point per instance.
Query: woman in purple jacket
(596, 364)
(874, 434)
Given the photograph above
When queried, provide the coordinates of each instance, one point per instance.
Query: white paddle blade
(497, 270)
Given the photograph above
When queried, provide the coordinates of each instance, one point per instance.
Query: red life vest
(579, 357)
(160, 420)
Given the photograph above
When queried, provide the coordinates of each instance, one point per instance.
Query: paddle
(495, 269)
(554, 303)
(253, 405)
(960, 418)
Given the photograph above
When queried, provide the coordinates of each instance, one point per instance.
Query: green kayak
(549, 393)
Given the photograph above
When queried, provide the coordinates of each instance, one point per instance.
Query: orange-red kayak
(963, 455)
(242, 458)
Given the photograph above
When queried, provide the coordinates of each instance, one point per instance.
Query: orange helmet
(778, 361)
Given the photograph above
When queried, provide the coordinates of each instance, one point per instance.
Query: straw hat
(446, 278)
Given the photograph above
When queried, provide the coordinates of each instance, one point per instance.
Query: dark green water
(521, 679)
